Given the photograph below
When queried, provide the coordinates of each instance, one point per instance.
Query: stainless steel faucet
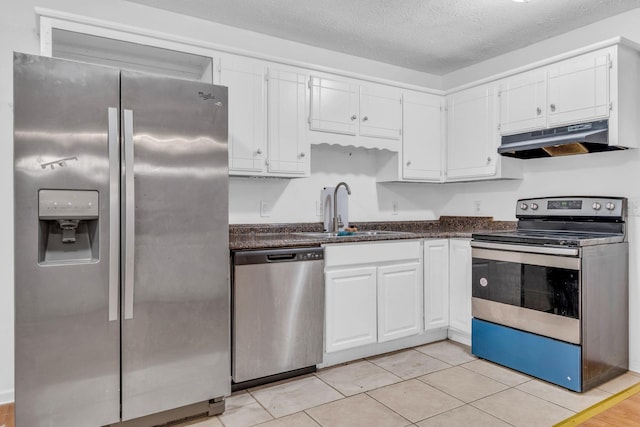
(337, 221)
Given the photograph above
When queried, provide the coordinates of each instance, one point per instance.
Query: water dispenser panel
(69, 226)
(68, 204)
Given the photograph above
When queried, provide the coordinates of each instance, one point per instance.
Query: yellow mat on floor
(599, 407)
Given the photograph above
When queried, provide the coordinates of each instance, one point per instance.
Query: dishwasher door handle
(281, 257)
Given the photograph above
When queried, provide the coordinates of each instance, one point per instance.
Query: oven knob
(534, 206)
(523, 206)
(596, 206)
(611, 206)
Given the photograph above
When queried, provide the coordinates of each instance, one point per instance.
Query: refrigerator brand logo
(208, 96)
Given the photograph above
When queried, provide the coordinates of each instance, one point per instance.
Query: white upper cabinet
(288, 147)
(422, 136)
(267, 118)
(523, 102)
(472, 133)
(572, 91)
(245, 79)
(380, 111)
(334, 106)
(370, 113)
(579, 89)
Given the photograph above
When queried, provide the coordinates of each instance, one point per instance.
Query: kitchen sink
(330, 234)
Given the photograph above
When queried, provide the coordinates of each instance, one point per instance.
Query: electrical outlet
(476, 206)
(265, 208)
(394, 208)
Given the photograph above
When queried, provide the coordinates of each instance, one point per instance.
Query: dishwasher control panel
(269, 256)
(309, 256)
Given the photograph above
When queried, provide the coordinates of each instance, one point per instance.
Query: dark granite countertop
(262, 236)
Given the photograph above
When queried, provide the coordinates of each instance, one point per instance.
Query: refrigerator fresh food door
(175, 328)
(67, 329)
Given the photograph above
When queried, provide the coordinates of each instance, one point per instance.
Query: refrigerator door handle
(129, 205)
(114, 212)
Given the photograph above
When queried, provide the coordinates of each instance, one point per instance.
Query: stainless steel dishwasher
(278, 314)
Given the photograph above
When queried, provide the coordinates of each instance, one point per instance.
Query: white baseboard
(7, 396)
(343, 356)
(459, 336)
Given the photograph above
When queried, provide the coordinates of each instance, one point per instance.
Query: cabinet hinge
(310, 84)
(499, 93)
(610, 63)
(400, 132)
(498, 127)
(610, 106)
(266, 76)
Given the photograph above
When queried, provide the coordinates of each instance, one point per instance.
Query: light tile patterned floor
(439, 384)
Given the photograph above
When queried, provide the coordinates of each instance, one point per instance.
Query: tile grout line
(391, 409)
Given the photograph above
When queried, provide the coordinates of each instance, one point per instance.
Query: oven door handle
(526, 258)
(547, 250)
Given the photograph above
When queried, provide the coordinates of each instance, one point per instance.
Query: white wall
(18, 32)
(294, 200)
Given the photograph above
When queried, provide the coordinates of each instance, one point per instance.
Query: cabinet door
(472, 133)
(579, 90)
(351, 308)
(247, 143)
(523, 103)
(380, 112)
(422, 136)
(399, 301)
(334, 106)
(286, 114)
(436, 284)
(460, 285)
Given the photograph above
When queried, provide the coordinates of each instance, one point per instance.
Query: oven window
(548, 289)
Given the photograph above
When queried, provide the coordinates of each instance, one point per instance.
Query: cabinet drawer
(370, 253)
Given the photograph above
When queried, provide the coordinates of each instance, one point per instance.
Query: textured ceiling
(434, 36)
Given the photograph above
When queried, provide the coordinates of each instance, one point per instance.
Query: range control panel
(67, 204)
(611, 207)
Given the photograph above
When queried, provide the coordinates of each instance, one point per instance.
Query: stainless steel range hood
(562, 141)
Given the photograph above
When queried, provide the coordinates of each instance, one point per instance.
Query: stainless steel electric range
(550, 299)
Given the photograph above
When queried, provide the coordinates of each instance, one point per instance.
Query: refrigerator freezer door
(66, 348)
(175, 336)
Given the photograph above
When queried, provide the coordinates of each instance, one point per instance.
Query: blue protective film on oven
(551, 360)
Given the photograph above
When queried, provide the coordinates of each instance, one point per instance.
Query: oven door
(530, 291)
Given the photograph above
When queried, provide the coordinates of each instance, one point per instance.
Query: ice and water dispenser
(68, 226)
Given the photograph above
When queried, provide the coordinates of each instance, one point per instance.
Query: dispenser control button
(534, 206)
(610, 206)
(596, 206)
(524, 206)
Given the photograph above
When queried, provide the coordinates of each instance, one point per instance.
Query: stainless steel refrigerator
(121, 243)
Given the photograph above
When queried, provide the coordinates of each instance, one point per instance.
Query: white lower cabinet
(373, 293)
(384, 296)
(460, 290)
(350, 308)
(436, 284)
(399, 301)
